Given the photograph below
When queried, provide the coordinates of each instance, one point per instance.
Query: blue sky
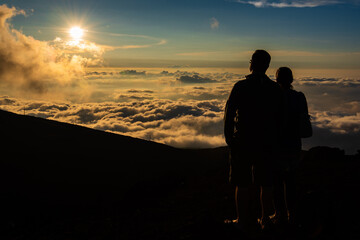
(322, 32)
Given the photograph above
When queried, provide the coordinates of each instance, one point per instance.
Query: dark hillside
(56, 173)
(62, 181)
(64, 153)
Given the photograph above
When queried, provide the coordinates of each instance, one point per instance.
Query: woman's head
(284, 77)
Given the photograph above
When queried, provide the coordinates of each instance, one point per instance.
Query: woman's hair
(284, 77)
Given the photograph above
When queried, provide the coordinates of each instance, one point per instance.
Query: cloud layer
(166, 110)
(177, 123)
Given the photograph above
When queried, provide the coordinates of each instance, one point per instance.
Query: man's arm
(230, 112)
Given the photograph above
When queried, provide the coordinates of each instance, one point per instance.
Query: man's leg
(240, 176)
(267, 202)
(242, 204)
(264, 173)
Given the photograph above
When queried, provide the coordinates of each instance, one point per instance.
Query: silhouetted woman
(297, 125)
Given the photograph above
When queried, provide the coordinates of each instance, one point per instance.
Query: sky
(306, 33)
(162, 70)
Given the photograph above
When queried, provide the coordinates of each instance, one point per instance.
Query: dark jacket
(254, 114)
(296, 110)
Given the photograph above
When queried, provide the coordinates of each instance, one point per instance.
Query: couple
(263, 128)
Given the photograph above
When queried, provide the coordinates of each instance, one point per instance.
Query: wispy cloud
(214, 23)
(197, 53)
(154, 41)
(160, 42)
(289, 3)
(289, 53)
(293, 53)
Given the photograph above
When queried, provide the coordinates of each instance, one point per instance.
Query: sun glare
(76, 33)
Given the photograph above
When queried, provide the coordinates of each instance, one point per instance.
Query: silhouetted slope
(74, 175)
(62, 181)
(39, 153)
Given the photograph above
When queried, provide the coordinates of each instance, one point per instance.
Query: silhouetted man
(253, 119)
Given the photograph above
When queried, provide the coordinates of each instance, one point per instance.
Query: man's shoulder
(241, 82)
(297, 93)
(253, 81)
(261, 78)
(273, 83)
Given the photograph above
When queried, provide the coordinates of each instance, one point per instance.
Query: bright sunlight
(76, 33)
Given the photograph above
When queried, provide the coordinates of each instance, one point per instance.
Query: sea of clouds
(167, 110)
(163, 107)
(180, 107)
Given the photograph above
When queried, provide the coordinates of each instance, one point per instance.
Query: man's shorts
(249, 167)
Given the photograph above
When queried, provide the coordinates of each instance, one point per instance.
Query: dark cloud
(210, 106)
(130, 97)
(7, 101)
(99, 73)
(199, 88)
(134, 95)
(167, 73)
(195, 79)
(132, 72)
(139, 91)
(207, 93)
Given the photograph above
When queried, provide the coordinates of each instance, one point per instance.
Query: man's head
(260, 61)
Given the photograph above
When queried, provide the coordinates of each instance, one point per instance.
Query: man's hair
(260, 61)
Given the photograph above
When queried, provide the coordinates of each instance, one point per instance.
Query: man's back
(256, 105)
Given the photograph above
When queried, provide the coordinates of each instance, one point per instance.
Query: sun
(76, 33)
